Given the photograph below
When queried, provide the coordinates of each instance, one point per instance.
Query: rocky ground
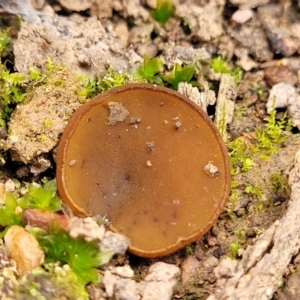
(252, 250)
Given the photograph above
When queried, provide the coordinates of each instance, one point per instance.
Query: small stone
(242, 15)
(24, 249)
(77, 5)
(86, 227)
(211, 170)
(212, 241)
(177, 125)
(210, 262)
(124, 271)
(277, 74)
(109, 280)
(279, 96)
(189, 269)
(160, 282)
(43, 219)
(250, 232)
(2, 192)
(115, 242)
(126, 289)
(150, 146)
(294, 110)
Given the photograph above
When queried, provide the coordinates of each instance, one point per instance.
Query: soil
(262, 37)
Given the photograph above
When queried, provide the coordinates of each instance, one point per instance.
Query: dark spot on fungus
(129, 191)
(127, 176)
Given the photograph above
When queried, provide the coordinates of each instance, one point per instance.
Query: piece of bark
(225, 103)
(259, 273)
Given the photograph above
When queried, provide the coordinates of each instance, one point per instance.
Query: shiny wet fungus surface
(145, 171)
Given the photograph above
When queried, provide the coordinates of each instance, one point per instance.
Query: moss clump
(56, 283)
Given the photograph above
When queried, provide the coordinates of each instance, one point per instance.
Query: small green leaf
(44, 198)
(164, 10)
(8, 214)
(180, 74)
(150, 68)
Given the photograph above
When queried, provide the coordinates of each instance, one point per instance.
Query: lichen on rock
(36, 123)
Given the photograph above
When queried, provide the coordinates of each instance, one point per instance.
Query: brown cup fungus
(149, 160)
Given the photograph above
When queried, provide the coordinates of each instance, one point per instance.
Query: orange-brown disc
(149, 160)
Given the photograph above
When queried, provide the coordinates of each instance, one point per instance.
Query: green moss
(83, 257)
(44, 198)
(279, 183)
(220, 65)
(163, 11)
(179, 74)
(149, 70)
(234, 249)
(56, 283)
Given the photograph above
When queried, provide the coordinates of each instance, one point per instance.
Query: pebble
(123, 271)
(210, 262)
(294, 110)
(118, 243)
(189, 269)
(87, 228)
(242, 15)
(160, 282)
(42, 219)
(126, 289)
(24, 249)
(279, 96)
(277, 74)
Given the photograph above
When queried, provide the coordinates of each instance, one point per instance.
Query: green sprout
(11, 92)
(234, 249)
(253, 191)
(43, 198)
(272, 135)
(180, 74)
(9, 212)
(34, 74)
(220, 65)
(5, 42)
(279, 183)
(82, 256)
(149, 70)
(163, 11)
(51, 282)
(240, 156)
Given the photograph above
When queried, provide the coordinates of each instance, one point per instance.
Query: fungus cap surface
(149, 160)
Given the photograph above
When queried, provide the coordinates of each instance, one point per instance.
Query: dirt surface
(262, 37)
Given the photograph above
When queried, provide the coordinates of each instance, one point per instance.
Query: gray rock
(160, 281)
(259, 273)
(81, 45)
(76, 5)
(279, 96)
(115, 242)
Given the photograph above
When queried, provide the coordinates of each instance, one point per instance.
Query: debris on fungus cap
(149, 160)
